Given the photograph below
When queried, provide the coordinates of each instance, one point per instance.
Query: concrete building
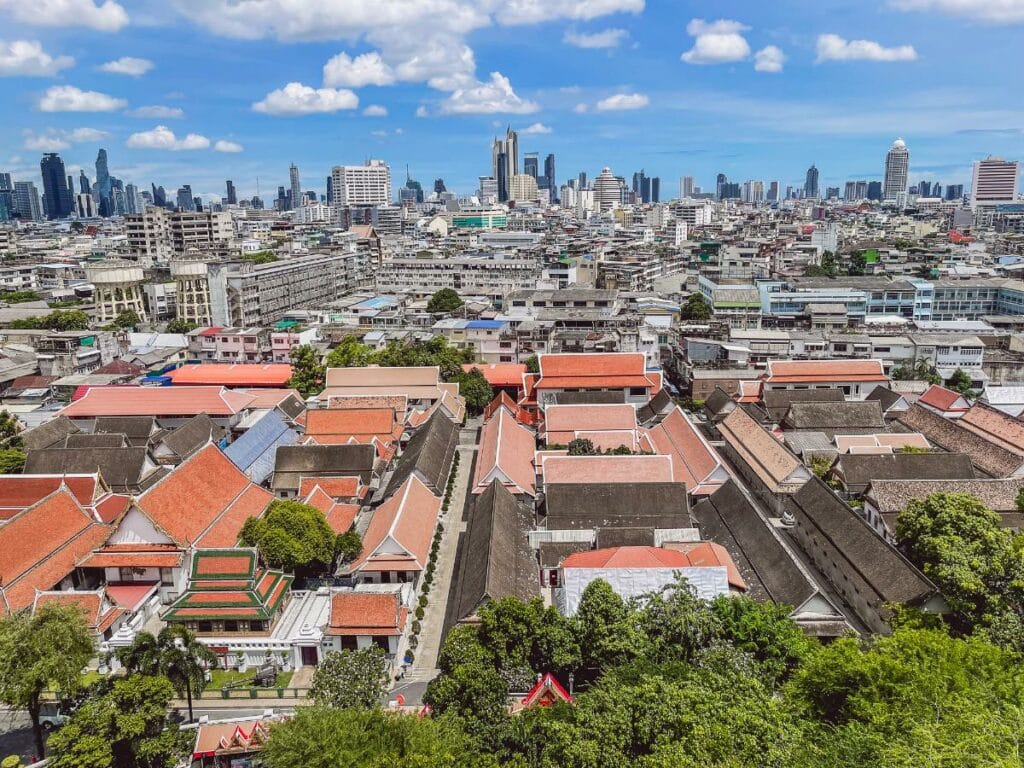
(607, 191)
(994, 182)
(493, 275)
(897, 167)
(117, 288)
(368, 184)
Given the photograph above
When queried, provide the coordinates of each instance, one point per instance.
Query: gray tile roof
(616, 505)
(429, 454)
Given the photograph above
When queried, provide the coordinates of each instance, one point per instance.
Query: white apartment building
(694, 214)
(994, 182)
(314, 213)
(493, 275)
(368, 184)
(158, 234)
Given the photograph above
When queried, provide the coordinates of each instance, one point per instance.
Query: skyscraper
(232, 196)
(685, 187)
(296, 187)
(57, 196)
(897, 167)
(954, 191)
(607, 192)
(773, 192)
(811, 183)
(84, 187)
(6, 197)
(132, 199)
(994, 182)
(655, 189)
(103, 183)
(874, 190)
(505, 162)
(26, 201)
(184, 199)
(439, 186)
(531, 164)
(582, 180)
(549, 174)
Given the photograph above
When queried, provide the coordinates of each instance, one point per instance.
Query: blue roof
(376, 302)
(493, 324)
(255, 451)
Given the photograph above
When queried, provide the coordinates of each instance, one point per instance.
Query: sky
(199, 91)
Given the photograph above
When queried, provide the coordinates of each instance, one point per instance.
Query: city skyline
(197, 94)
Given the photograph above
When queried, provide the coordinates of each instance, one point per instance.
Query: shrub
(423, 601)
(416, 626)
(420, 612)
(413, 641)
(409, 657)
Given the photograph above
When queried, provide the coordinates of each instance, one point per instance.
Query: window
(204, 626)
(637, 391)
(167, 577)
(349, 643)
(230, 626)
(257, 626)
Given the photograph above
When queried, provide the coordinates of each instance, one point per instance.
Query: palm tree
(174, 653)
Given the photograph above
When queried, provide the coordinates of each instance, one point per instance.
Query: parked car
(50, 716)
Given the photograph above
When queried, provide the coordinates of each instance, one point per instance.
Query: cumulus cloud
(54, 140)
(157, 112)
(989, 11)
(536, 128)
(836, 48)
(376, 110)
(769, 59)
(163, 137)
(26, 58)
(422, 111)
(227, 146)
(106, 17)
(68, 98)
(365, 69)
(622, 101)
(298, 99)
(581, 108)
(495, 95)
(716, 42)
(128, 65)
(608, 38)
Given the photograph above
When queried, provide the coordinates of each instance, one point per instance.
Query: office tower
(6, 185)
(937, 190)
(994, 182)
(412, 186)
(685, 187)
(607, 190)
(281, 203)
(874, 190)
(103, 183)
(531, 164)
(523, 188)
(296, 187)
(330, 190)
(256, 203)
(7, 209)
(655, 189)
(132, 199)
(26, 201)
(549, 174)
(505, 162)
(487, 192)
(439, 187)
(85, 206)
(897, 167)
(831, 193)
(582, 180)
(184, 199)
(638, 185)
(159, 196)
(56, 195)
(71, 191)
(924, 188)
(232, 196)
(954, 191)
(84, 187)
(773, 192)
(811, 183)
(368, 184)
(720, 181)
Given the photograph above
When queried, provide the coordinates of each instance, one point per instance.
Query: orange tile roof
(18, 492)
(611, 370)
(105, 559)
(500, 374)
(506, 452)
(99, 616)
(351, 421)
(627, 557)
(232, 374)
(693, 459)
(268, 397)
(129, 595)
(589, 418)
(408, 517)
(942, 399)
(608, 469)
(341, 517)
(708, 553)
(205, 499)
(824, 371)
(366, 613)
(995, 426)
(157, 401)
(335, 487)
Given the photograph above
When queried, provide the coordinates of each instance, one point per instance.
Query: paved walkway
(424, 668)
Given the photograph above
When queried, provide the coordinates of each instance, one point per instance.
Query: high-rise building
(85, 206)
(655, 189)
(368, 184)
(103, 184)
(924, 188)
(488, 190)
(296, 186)
(56, 195)
(639, 178)
(232, 195)
(954, 191)
(523, 188)
(159, 196)
(413, 190)
(582, 180)
(531, 165)
(773, 192)
(994, 182)
(132, 199)
(505, 162)
(26, 201)
(607, 190)
(685, 187)
(183, 198)
(7, 209)
(811, 183)
(549, 175)
(84, 187)
(855, 190)
(439, 187)
(831, 193)
(897, 168)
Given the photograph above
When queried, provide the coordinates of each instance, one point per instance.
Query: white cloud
(769, 59)
(990, 11)
(157, 111)
(836, 48)
(495, 95)
(365, 69)
(68, 98)
(28, 59)
(54, 140)
(622, 101)
(375, 110)
(163, 137)
(299, 99)
(422, 111)
(716, 42)
(227, 146)
(580, 108)
(536, 128)
(106, 17)
(128, 65)
(608, 38)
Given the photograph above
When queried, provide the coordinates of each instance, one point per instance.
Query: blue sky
(198, 91)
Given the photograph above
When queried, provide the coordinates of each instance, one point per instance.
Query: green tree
(260, 257)
(350, 353)
(10, 431)
(527, 636)
(19, 297)
(291, 535)
(606, 627)
(177, 325)
(959, 544)
(348, 546)
(696, 309)
(960, 382)
(125, 727)
(532, 364)
(319, 737)
(307, 370)
(46, 650)
(461, 647)
(474, 693)
(59, 320)
(581, 446)
(176, 654)
(677, 623)
(444, 300)
(1019, 501)
(129, 318)
(919, 370)
(858, 264)
(12, 461)
(475, 389)
(347, 679)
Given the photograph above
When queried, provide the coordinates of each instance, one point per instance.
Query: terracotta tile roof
(408, 518)
(709, 554)
(611, 370)
(232, 374)
(605, 440)
(942, 399)
(157, 401)
(694, 461)
(500, 374)
(18, 492)
(608, 469)
(992, 424)
(351, 421)
(776, 467)
(366, 613)
(339, 516)
(824, 371)
(588, 418)
(269, 397)
(129, 595)
(233, 738)
(99, 613)
(103, 558)
(506, 453)
(41, 545)
(335, 487)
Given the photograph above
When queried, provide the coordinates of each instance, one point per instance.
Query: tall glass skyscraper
(57, 196)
